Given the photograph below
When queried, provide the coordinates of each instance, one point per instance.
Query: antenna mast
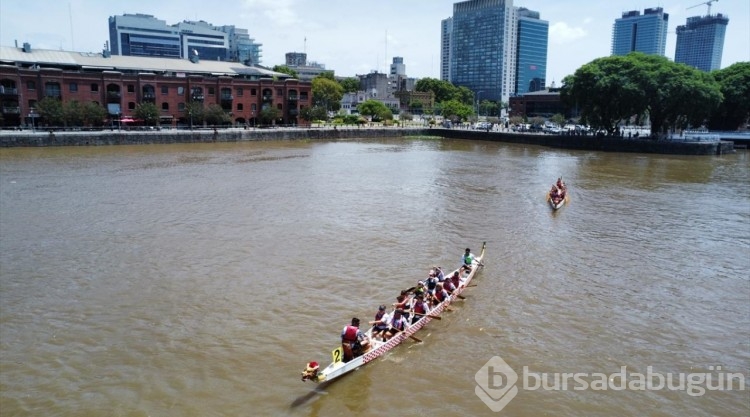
(70, 15)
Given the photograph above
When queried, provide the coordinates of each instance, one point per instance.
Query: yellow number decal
(338, 354)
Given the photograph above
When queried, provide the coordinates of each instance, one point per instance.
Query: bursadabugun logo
(496, 383)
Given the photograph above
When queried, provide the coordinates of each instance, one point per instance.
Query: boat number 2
(338, 354)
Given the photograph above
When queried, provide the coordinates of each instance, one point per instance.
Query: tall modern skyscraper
(645, 33)
(446, 30)
(144, 35)
(483, 48)
(533, 35)
(700, 42)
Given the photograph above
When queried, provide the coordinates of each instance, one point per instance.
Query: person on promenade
(354, 341)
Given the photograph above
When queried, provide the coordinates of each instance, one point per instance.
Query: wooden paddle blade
(460, 296)
(416, 339)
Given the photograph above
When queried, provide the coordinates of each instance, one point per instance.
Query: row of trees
(53, 112)
(637, 87)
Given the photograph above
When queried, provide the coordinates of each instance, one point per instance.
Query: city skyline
(349, 37)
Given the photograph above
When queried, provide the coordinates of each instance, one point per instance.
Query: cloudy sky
(358, 36)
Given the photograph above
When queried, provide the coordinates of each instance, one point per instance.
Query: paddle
(416, 339)
(428, 315)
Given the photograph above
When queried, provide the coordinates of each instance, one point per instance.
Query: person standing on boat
(396, 324)
(353, 341)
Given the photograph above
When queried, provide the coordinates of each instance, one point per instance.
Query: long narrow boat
(338, 367)
(558, 203)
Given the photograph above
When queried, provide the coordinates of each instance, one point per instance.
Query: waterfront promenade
(682, 146)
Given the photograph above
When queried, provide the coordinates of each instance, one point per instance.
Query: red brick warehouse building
(119, 83)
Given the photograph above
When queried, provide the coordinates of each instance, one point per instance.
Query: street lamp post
(32, 115)
(253, 113)
(479, 95)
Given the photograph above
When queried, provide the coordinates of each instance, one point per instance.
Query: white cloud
(560, 33)
(277, 12)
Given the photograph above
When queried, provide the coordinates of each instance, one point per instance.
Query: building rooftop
(97, 61)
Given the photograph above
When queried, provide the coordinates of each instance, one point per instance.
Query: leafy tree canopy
(350, 84)
(456, 110)
(734, 110)
(612, 89)
(327, 92)
(376, 109)
(148, 112)
(285, 70)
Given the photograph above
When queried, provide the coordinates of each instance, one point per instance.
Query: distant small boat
(558, 195)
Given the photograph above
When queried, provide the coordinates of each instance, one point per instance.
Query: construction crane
(707, 3)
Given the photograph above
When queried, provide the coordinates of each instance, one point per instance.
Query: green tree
(73, 113)
(604, 91)
(268, 115)
(314, 113)
(488, 108)
(676, 95)
(51, 111)
(734, 110)
(350, 84)
(327, 93)
(215, 115)
(558, 119)
(194, 113)
(377, 110)
(612, 89)
(93, 114)
(286, 70)
(148, 112)
(443, 90)
(456, 110)
(328, 75)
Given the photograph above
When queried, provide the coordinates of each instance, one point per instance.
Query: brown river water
(198, 279)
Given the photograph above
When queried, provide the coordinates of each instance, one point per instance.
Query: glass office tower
(144, 35)
(645, 33)
(482, 54)
(446, 30)
(531, 69)
(700, 42)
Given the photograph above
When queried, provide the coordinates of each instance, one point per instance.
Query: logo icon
(496, 383)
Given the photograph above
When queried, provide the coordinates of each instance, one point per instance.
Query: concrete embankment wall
(593, 143)
(99, 138)
(117, 137)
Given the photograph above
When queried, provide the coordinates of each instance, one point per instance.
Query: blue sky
(349, 36)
